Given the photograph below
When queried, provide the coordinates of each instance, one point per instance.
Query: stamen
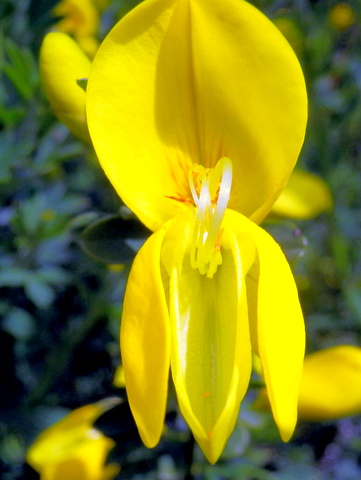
(210, 190)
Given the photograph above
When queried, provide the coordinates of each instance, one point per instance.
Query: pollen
(210, 188)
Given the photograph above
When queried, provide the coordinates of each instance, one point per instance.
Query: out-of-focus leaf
(352, 292)
(21, 69)
(12, 153)
(11, 116)
(54, 251)
(30, 214)
(113, 239)
(39, 292)
(53, 275)
(53, 148)
(83, 220)
(14, 277)
(35, 284)
(19, 323)
(341, 252)
(40, 12)
(319, 44)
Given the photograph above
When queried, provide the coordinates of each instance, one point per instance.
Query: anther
(210, 190)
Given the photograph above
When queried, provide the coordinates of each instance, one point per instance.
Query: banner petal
(182, 82)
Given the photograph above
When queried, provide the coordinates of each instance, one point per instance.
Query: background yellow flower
(73, 448)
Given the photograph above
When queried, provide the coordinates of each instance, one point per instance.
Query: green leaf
(34, 284)
(20, 69)
(41, 294)
(113, 239)
(54, 276)
(14, 277)
(82, 82)
(352, 292)
(11, 116)
(19, 323)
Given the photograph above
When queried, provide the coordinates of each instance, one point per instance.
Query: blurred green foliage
(60, 307)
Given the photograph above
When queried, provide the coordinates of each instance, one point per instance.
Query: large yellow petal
(277, 326)
(145, 343)
(331, 384)
(305, 196)
(210, 351)
(62, 62)
(189, 81)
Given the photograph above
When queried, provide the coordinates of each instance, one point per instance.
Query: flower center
(211, 188)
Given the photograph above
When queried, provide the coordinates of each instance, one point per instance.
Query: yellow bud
(62, 63)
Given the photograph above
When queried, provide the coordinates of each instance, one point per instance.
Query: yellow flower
(305, 196)
(331, 384)
(79, 18)
(197, 111)
(341, 16)
(62, 62)
(73, 449)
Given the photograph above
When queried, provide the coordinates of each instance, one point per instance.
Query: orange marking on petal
(182, 200)
(217, 246)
